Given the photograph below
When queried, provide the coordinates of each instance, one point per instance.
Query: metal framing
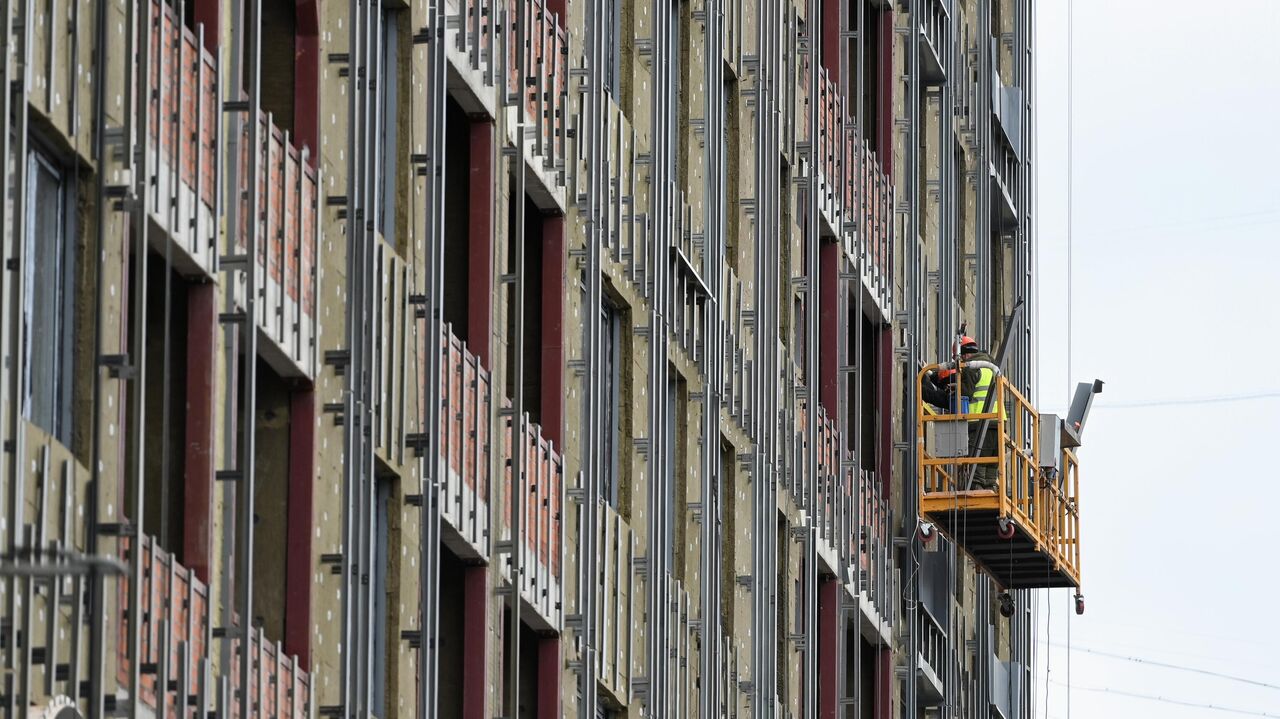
(647, 217)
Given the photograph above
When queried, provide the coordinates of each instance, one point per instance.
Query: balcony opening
(732, 163)
(282, 516)
(49, 310)
(869, 66)
(457, 210)
(528, 667)
(612, 321)
(452, 635)
(164, 450)
(729, 557)
(533, 223)
(868, 379)
(857, 649)
(279, 53)
(605, 708)
(271, 499)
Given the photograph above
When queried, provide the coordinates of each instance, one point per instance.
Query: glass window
(388, 116)
(47, 312)
(611, 373)
(612, 22)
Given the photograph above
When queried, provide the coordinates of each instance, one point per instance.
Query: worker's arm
(935, 395)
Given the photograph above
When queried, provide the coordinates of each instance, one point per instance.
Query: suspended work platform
(1026, 532)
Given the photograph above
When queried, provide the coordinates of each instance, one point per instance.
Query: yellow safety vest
(986, 378)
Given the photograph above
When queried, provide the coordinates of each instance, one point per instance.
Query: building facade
(479, 358)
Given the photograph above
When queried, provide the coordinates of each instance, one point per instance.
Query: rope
(1069, 664)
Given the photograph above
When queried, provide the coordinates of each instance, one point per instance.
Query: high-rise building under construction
(523, 358)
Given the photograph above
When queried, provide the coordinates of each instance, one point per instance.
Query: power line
(1070, 176)
(1168, 700)
(1223, 399)
(1167, 665)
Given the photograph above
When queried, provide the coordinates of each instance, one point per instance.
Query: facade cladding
(497, 358)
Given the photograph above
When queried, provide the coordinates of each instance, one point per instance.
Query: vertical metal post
(812, 297)
(911, 281)
(711, 475)
(250, 189)
(430, 465)
(138, 134)
(519, 444)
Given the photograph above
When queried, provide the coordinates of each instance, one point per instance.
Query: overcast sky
(1176, 296)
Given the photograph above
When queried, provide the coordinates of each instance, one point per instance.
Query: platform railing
(182, 103)
(544, 92)
(477, 25)
(1061, 526)
(466, 400)
(1044, 503)
(875, 235)
(542, 527)
(872, 545)
(175, 616)
(288, 241)
(175, 610)
(933, 24)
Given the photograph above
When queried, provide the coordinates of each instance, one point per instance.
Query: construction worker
(978, 372)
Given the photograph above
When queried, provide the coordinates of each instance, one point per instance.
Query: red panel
(829, 326)
(474, 620)
(549, 678)
(884, 684)
(306, 77)
(306, 87)
(206, 12)
(480, 240)
(198, 462)
(831, 38)
(828, 658)
(302, 464)
(553, 284)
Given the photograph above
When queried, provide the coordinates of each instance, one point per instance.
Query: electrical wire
(1070, 175)
(1168, 665)
(1178, 702)
(1174, 402)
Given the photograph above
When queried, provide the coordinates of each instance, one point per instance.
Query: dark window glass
(611, 370)
(388, 116)
(47, 312)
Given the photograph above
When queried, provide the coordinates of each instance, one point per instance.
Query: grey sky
(1177, 266)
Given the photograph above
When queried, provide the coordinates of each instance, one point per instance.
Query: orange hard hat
(945, 374)
(965, 341)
